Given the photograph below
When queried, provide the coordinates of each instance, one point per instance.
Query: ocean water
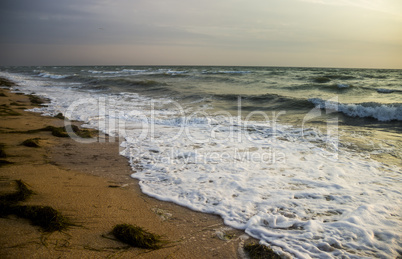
(308, 160)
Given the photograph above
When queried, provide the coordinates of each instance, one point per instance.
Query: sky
(301, 33)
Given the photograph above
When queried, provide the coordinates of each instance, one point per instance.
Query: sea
(307, 160)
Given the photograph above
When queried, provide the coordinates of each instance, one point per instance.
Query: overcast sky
(329, 33)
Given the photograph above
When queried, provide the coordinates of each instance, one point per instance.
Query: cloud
(249, 29)
(393, 7)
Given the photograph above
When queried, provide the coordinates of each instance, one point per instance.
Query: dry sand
(91, 184)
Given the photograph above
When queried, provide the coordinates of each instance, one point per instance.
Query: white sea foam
(138, 72)
(104, 72)
(50, 75)
(283, 185)
(226, 72)
(285, 190)
(380, 112)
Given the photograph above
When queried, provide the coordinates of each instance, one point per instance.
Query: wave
(147, 72)
(52, 76)
(376, 76)
(269, 101)
(342, 86)
(387, 91)
(381, 112)
(224, 72)
(328, 78)
(123, 71)
(125, 82)
(325, 87)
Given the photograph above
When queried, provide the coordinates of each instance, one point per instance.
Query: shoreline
(91, 184)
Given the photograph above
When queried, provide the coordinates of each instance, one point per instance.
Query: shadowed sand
(91, 185)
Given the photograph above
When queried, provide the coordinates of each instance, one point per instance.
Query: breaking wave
(381, 112)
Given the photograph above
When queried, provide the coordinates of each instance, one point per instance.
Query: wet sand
(91, 185)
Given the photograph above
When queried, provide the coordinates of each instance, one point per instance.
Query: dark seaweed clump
(5, 162)
(22, 194)
(2, 152)
(60, 116)
(35, 99)
(258, 251)
(62, 131)
(32, 142)
(6, 82)
(136, 236)
(46, 217)
(3, 155)
(6, 111)
(56, 131)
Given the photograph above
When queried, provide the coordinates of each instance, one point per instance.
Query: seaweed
(16, 104)
(58, 131)
(62, 131)
(8, 201)
(6, 82)
(3, 94)
(137, 236)
(35, 99)
(83, 133)
(46, 217)
(2, 152)
(5, 162)
(258, 251)
(6, 111)
(59, 116)
(32, 142)
(22, 194)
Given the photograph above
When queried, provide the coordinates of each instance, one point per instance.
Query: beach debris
(224, 233)
(22, 194)
(57, 131)
(18, 104)
(6, 82)
(62, 131)
(46, 217)
(6, 111)
(35, 99)
(259, 251)
(32, 142)
(5, 162)
(137, 236)
(59, 116)
(163, 214)
(3, 155)
(2, 152)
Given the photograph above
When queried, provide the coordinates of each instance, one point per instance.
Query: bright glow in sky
(329, 33)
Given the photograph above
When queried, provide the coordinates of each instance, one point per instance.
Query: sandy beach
(91, 185)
